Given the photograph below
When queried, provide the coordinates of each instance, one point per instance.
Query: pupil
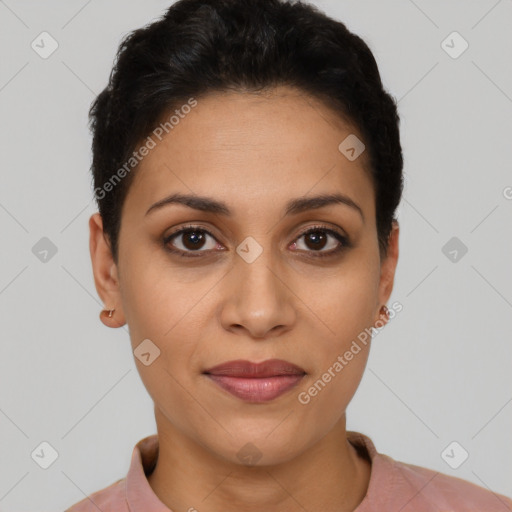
(317, 238)
(194, 237)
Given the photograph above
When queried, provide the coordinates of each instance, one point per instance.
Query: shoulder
(438, 491)
(109, 499)
(396, 485)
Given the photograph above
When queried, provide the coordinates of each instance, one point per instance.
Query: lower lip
(257, 389)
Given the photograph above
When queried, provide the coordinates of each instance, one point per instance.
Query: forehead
(253, 151)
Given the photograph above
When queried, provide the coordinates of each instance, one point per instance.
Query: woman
(247, 167)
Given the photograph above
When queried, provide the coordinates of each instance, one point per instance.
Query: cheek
(168, 313)
(344, 309)
(153, 302)
(343, 305)
(172, 372)
(330, 389)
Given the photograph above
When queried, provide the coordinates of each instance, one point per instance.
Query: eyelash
(345, 243)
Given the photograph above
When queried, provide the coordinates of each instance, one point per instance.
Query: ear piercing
(108, 312)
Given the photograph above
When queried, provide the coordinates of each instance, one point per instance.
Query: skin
(255, 153)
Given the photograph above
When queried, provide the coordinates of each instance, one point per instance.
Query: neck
(327, 476)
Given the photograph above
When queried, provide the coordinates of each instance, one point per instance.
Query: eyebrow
(293, 207)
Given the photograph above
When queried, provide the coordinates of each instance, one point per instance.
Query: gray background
(439, 372)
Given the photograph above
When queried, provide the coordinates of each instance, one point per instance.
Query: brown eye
(193, 239)
(318, 238)
(190, 239)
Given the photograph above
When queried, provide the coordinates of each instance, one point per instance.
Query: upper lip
(247, 369)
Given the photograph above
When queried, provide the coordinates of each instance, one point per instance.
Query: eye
(193, 238)
(317, 238)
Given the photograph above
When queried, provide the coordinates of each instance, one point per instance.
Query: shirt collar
(139, 494)
(382, 476)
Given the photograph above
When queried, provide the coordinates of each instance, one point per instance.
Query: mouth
(256, 382)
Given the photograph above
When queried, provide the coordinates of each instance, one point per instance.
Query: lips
(268, 368)
(256, 382)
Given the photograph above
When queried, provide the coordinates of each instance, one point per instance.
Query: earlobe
(383, 317)
(108, 318)
(105, 274)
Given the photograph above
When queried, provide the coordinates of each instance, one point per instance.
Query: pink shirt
(394, 486)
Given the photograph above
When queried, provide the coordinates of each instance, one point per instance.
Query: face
(249, 281)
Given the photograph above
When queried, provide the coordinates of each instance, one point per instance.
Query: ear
(105, 272)
(387, 270)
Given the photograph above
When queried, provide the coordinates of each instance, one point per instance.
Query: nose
(258, 301)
